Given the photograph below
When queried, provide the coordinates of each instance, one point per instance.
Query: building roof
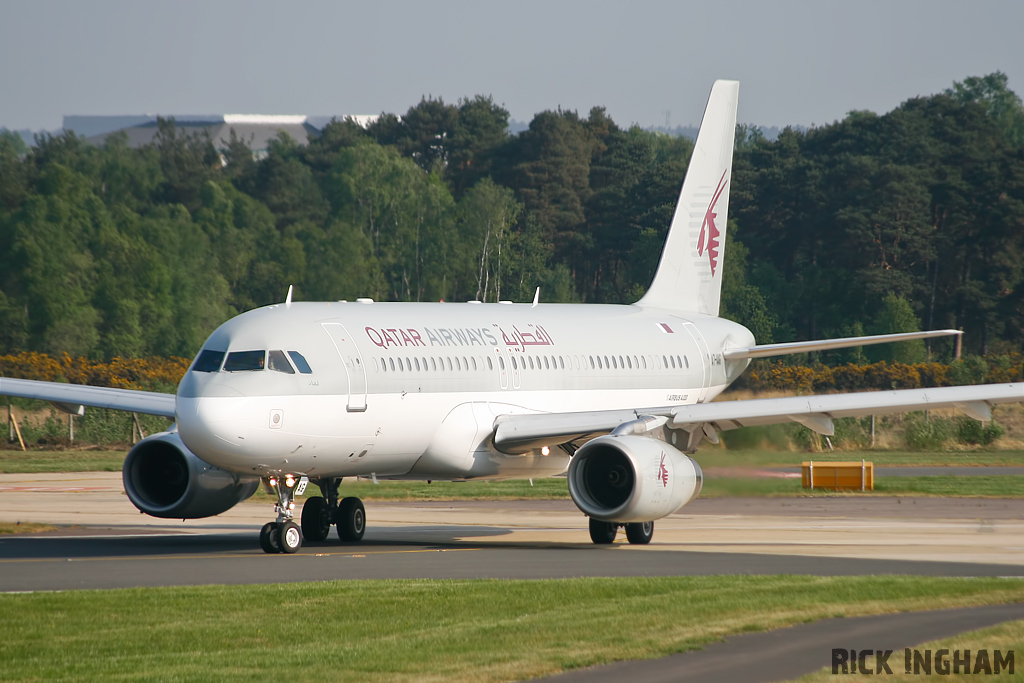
(257, 130)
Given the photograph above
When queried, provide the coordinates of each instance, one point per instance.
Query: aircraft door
(705, 358)
(514, 362)
(353, 363)
(499, 365)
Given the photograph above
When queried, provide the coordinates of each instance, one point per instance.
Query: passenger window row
(474, 363)
(433, 364)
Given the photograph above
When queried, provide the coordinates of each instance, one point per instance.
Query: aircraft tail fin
(689, 276)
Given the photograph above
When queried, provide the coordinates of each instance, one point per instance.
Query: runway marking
(120, 558)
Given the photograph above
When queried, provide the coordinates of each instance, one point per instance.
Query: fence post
(872, 431)
(137, 426)
(71, 427)
(17, 430)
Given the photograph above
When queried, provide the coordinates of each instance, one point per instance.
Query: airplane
(614, 397)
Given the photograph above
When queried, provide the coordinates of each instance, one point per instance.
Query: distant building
(256, 130)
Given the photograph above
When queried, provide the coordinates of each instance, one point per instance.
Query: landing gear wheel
(640, 533)
(316, 519)
(603, 533)
(290, 537)
(270, 538)
(351, 520)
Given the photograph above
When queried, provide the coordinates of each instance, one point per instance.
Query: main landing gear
(639, 533)
(318, 515)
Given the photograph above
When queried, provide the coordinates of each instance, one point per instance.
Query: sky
(647, 62)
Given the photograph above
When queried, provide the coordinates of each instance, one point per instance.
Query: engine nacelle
(163, 478)
(631, 478)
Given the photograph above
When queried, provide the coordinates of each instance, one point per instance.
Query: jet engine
(631, 478)
(163, 478)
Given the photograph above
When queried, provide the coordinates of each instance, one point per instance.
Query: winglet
(288, 299)
(536, 298)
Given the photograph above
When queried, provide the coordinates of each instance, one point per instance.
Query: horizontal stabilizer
(768, 350)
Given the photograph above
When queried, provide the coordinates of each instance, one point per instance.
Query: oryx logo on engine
(663, 472)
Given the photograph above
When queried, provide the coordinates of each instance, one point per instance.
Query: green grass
(720, 457)
(12, 462)
(15, 461)
(974, 486)
(480, 630)
(105, 461)
(714, 487)
(516, 489)
(556, 488)
(965, 487)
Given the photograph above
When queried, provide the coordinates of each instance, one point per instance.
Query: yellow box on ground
(839, 476)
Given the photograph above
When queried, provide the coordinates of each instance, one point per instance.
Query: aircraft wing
(516, 434)
(70, 396)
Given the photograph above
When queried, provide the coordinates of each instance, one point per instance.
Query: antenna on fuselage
(288, 299)
(536, 298)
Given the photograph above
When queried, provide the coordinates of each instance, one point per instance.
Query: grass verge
(719, 457)
(1011, 486)
(556, 488)
(14, 462)
(24, 528)
(480, 630)
(515, 489)
(1003, 637)
(719, 487)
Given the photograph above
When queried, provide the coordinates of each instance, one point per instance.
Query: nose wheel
(283, 535)
(270, 538)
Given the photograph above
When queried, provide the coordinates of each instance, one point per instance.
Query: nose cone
(215, 426)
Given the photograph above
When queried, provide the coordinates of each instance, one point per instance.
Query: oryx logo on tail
(709, 228)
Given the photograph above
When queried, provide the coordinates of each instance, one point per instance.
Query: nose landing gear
(283, 535)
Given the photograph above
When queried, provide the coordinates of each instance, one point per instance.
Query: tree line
(874, 223)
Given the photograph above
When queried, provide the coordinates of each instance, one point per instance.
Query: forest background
(875, 223)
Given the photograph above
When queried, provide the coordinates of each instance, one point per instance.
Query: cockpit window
(300, 363)
(278, 362)
(240, 361)
(208, 361)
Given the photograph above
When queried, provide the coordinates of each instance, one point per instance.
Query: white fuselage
(412, 390)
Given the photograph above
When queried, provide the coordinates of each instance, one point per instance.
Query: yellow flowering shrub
(777, 376)
(156, 374)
